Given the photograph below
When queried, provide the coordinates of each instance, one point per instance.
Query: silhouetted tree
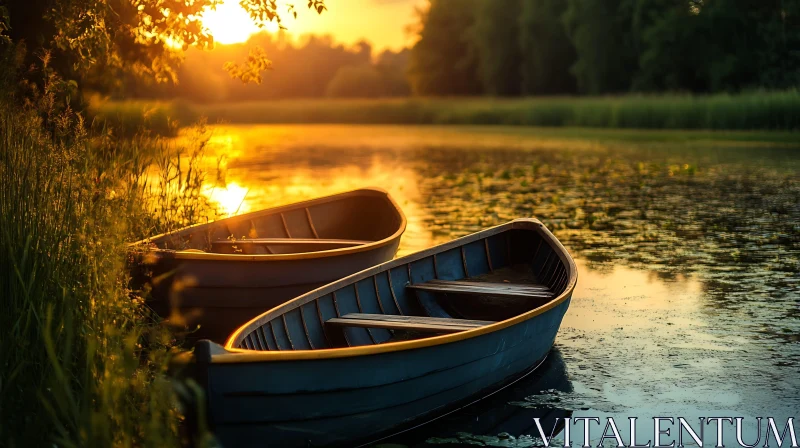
(393, 67)
(496, 39)
(546, 53)
(356, 81)
(600, 32)
(443, 61)
(97, 41)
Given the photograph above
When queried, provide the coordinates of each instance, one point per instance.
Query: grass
(133, 117)
(83, 362)
(746, 111)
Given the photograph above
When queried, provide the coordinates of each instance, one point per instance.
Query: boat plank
(415, 323)
(484, 288)
(294, 241)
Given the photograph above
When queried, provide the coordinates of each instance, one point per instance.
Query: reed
(758, 110)
(83, 362)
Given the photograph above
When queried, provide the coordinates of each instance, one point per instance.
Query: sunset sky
(381, 22)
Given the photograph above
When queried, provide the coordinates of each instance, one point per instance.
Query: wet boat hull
(444, 327)
(381, 393)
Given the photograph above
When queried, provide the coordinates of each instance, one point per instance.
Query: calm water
(688, 298)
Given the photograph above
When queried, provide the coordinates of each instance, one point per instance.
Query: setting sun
(229, 23)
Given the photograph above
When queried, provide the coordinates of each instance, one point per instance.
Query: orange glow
(229, 23)
(347, 22)
(231, 198)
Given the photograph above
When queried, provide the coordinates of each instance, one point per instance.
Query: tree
(724, 45)
(443, 61)
(95, 41)
(393, 67)
(672, 50)
(360, 81)
(600, 32)
(753, 44)
(547, 53)
(780, 55)
(496, 37)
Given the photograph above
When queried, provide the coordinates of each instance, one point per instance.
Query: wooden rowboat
(220, 274)
(511, 410)
(391, 345)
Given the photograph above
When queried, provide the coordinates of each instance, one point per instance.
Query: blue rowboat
(505, 415)
(220, 274)
(393, 345)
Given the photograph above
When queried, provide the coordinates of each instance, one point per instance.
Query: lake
(688, 297)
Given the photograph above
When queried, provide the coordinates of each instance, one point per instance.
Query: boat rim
(229, 354)
(210, 256)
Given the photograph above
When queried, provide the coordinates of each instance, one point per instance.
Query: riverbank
(772, 111)
(79, 350)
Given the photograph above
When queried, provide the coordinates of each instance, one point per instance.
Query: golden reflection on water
(632, 292)
(282, 164)
(263, 168)
(231, 198)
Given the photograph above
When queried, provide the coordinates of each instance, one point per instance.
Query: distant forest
(525, 48)
(309, 68)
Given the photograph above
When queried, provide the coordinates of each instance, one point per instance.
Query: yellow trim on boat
(209, 256)
(235, 355)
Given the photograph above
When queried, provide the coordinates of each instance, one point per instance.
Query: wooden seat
(321, 241)
(409, 323)
(282, 245)
(484, 288)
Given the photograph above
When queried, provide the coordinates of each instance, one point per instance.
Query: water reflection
(231, 198)
(689, 294)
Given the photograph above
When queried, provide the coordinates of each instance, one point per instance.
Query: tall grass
(82, 363)
(745, 111)
(133, 117)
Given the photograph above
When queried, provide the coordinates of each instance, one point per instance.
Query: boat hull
(220, 295)
(210, 278)
(382, 393)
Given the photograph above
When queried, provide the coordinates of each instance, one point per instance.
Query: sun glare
(229, 23)
(230, 199)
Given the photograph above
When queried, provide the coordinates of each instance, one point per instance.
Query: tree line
(314, 66)
(547, 47)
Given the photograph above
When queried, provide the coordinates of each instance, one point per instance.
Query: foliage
(302, 69)
(98, 42)
(546, 51)
(393, 66)
(496, 39)
(83, 363)
(443, 61)
(609, 46)
(382, 79)
(356, 81)
(606, 57)
(72, 339)
(94, 41)
(723, 45)
(250, 71)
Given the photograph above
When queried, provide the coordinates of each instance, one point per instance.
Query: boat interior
(440, 291)
(337, 222)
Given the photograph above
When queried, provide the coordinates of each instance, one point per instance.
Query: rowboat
(220, 274)
(392, 345)
(506, 414)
